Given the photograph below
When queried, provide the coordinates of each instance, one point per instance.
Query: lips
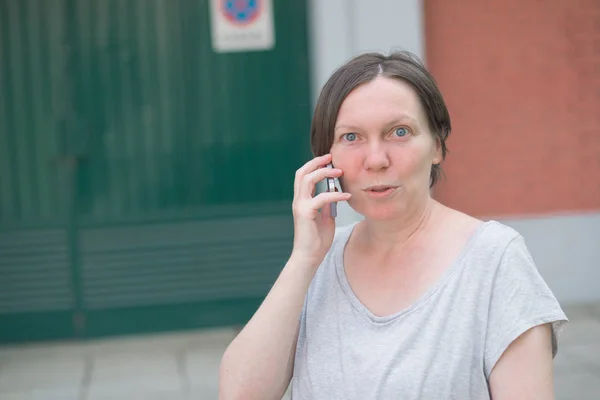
(380, 191)
(379, 188)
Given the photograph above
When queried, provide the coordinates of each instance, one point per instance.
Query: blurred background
(147, 155)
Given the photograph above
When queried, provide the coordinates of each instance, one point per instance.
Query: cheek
(346, 160)
(409, 163)
(350, 165)
(414, 161)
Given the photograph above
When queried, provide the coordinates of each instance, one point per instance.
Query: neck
(385, 236)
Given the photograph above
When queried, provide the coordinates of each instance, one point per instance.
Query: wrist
(303, 261)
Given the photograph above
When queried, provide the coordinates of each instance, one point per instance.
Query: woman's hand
(314, 230)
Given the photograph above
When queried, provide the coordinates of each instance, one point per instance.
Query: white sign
(242, 25)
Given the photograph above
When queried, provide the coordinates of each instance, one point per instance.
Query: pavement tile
(135, 392)
(158, 369)
(44, 371)
(202, 369)
(584, 355)
(577, 386)
(39, 351)
(51, 394)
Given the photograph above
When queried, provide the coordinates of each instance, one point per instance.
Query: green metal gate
(145, 180)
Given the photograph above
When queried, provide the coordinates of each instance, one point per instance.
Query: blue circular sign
(241, 12)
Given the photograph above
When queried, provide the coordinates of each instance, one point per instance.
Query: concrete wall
(527, 153)
(566, 249)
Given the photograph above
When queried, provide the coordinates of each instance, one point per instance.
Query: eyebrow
(395, 121)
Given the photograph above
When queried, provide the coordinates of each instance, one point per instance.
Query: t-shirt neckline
(360, 307)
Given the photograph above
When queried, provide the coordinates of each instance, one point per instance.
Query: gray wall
(566, 250)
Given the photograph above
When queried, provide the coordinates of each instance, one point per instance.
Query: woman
(416, 301)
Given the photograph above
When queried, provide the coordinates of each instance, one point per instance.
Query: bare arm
(525, 369)
(258, 363)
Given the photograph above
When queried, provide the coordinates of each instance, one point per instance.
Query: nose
(376, 158)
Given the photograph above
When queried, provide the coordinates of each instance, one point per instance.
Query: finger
(309, 182)
(310, 166)
(323, 200)
(326, 212)
(329, 212)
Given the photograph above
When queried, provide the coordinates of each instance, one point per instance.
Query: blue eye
(401, 132)
(351, 137)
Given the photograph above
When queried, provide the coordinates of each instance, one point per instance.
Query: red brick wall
(522, 82)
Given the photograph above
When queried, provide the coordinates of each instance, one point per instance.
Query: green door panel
(171, 125)
(195, 273)
(146, 181)
(37, 296)
(182, 262)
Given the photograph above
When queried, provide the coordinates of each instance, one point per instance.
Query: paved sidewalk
(184, 366)
(174, 366)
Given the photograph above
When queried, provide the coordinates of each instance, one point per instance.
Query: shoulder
(518, 298)
(482, 236)
(341, 236)
(335, 252)
(344, 229)
(326, 275)
(497, 239)
(501, 231)
(497, 253)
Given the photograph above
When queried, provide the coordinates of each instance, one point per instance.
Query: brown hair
(364, 68)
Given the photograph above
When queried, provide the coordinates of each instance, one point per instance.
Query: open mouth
(380, 190)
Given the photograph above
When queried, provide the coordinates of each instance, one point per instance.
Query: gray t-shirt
(443, 346)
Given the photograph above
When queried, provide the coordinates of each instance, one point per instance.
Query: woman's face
(383, 144)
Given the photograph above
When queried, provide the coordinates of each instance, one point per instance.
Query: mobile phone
(331, 188)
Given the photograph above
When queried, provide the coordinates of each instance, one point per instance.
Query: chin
(378, 212)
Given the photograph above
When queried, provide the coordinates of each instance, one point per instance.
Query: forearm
(259, 361)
